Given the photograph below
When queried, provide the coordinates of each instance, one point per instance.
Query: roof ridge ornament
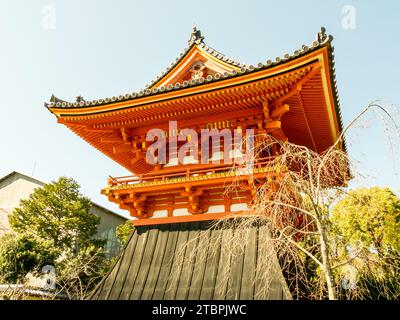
(322, 36)
(80, 99)
(54, 99)
(195, 36)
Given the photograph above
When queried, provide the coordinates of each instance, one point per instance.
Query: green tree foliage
(368, 222)
(20, 254)
(124, 231)
(59, 213)
(80, 273)
(371, 216)
(54, 226)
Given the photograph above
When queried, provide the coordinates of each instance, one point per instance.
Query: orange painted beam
(180, 219)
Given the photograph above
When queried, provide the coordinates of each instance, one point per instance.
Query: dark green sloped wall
(176, 261)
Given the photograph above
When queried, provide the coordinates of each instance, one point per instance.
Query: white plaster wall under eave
(160, 214)
(181, 212)
(237, 207)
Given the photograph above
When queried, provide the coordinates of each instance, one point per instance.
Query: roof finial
(322, 36)
(79, 98)
(196, 36)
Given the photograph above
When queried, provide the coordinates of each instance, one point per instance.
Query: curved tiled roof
(196, 39)
(322, 40)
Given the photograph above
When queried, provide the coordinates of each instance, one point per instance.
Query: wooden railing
(184, 172)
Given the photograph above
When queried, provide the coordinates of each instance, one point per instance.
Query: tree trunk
(326, 262)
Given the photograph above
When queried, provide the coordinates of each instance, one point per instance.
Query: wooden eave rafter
(97, 124)
(138, 99)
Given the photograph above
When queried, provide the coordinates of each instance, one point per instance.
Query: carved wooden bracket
(272, 118)
(137, 206)
(194, 197)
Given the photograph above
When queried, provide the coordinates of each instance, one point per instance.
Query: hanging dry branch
(294, 205)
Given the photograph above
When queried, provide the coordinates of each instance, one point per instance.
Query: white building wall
(12, 190)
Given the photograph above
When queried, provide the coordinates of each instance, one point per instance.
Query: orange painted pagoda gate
(206, 93)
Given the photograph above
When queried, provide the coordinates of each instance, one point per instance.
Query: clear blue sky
(105, 48)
